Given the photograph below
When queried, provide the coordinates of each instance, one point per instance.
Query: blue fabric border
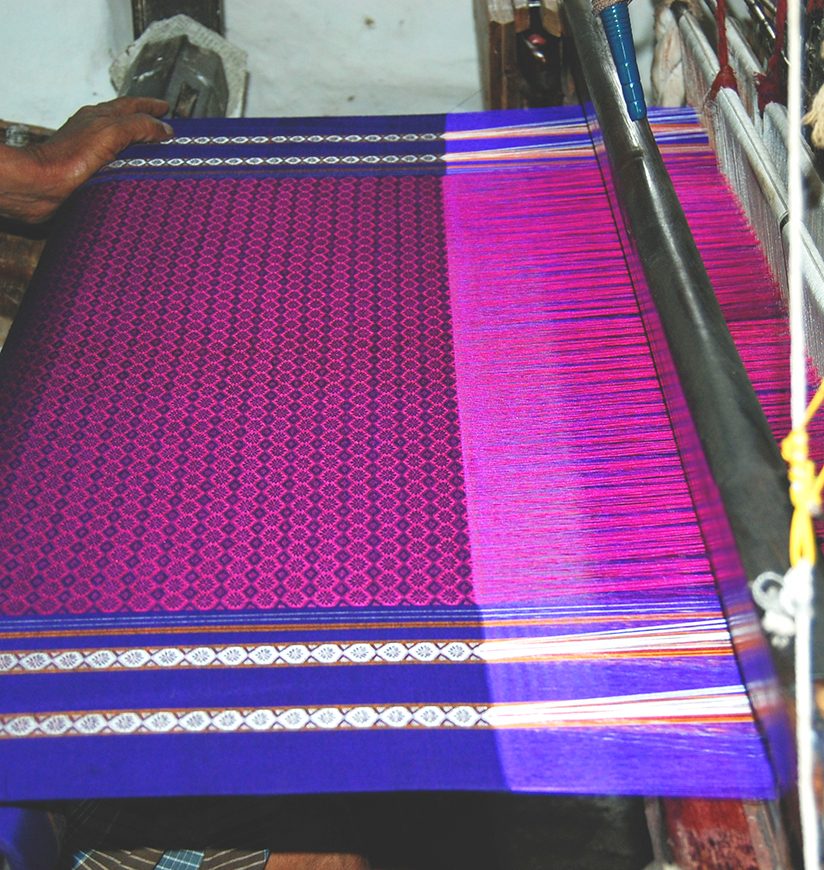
(382, 761)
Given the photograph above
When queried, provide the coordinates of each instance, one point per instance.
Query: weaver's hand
(35, 180)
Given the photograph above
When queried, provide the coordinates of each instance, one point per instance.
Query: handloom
(335, 458)
(307, 464)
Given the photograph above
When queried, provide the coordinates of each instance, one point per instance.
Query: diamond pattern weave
(251, 404)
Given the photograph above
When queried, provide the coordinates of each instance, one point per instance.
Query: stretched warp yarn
(335, 459)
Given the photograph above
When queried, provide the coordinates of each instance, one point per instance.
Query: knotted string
(726, 76)
(805, 486)
(802, 477)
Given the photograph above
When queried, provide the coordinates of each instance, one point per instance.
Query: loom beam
(718, 833)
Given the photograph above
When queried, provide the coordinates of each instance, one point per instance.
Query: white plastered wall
(306, 57)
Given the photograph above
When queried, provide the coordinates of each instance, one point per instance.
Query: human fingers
(95, 140)
(40, 177)
(106, 128)
(101, 141)
(87, 143)
(130, 106)
(138, 127)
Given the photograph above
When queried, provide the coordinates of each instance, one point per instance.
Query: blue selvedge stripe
(348, 685)
(346, 624)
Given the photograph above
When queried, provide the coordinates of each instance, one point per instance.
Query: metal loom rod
(740, 451)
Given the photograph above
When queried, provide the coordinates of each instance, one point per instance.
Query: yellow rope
(815, 404)
(805, 486)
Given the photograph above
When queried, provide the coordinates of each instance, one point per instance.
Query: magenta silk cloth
(334, 458)
(329, 404)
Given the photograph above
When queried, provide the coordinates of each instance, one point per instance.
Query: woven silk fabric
(334, 458)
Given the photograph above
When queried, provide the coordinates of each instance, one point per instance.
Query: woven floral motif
(252, 405)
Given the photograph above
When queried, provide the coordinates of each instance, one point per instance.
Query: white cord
(800, 577)
(795, 198)
(800, 580)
